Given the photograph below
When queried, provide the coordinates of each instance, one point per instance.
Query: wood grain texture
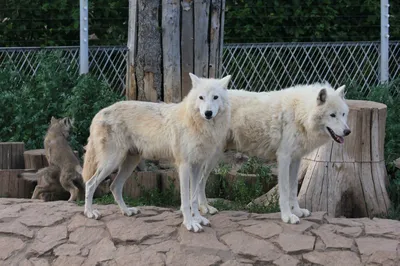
(171, 50)
(131, 87)
(215, 32)
(187, 45)
(201, 42)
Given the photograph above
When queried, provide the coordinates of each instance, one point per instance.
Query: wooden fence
(167, 40)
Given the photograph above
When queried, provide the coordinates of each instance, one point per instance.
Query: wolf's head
(331, 113)
(62, 125)
(210, 95)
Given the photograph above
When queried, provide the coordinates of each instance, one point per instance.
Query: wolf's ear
(225, 81)
(195, 80)
(321, 99)
(340, 91)
(53, 120)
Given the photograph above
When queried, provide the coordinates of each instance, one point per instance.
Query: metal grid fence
(272, 66)
(255, 67)
(106, 63)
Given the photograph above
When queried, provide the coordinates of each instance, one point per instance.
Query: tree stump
(350, 179)
(35, 159)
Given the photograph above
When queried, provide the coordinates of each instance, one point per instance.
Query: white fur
(125, 132)
(284, 126)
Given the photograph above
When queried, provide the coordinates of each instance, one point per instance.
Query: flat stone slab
(33, 232)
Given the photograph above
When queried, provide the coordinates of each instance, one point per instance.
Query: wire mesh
(108, 64)
(273, 66)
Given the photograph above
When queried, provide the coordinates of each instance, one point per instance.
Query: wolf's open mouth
(335, 137)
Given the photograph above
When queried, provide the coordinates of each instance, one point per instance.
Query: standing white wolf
(284, 125)
(188, 133)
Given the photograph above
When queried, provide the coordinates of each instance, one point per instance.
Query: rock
(68, 260)
(9, 246)
(78, 220)
(332, 258)
(350, 231)
(222, 224)
(148, 257)
(267, 199)
(287, 260)
(317, 217)
(267, 216)
(381, 257)
(370, 245)
(295, 243)
(39, 262)
(102, 251)
(246, 245)
(300, 228)
(49, 237)
(382, 227)
(332, 240)
(343, 221)
(179, 257)
(16, 228)
(206, 241)
(124, 255)
(264, 229)
(85, 236)
(25, 262)
(67, 250)
(233, 263)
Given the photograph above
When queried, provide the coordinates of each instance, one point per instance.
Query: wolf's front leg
(293, 201)
(203, 204)
(184, 178)
(287, 216)
(195, 174)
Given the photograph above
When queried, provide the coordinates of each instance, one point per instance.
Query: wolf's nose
(347, 132)
(208, 114)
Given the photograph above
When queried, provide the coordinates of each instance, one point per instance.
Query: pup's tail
(32, 177)
(89, 162)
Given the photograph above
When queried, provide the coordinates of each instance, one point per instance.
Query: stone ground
(56, 233)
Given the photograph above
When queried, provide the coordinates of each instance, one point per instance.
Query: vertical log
(187, 45)
(201, 43)
(148, 58)
(131, 88)
(171, 50)
(215, 28)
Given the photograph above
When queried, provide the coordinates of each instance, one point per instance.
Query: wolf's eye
(215, 97)
(343, 114)
(201, 97)
(333, 115)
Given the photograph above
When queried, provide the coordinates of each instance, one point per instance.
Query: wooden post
(167, 40)
(349, 179)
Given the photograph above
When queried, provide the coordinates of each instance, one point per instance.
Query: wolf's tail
(89, 162)
(32, 177)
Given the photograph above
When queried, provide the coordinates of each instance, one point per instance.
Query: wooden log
(148, 57)
(201, 45)
(36, 159)
(171, 50)
(131, 88)
(349, 180)
(13, 187)
(140, 181)
(187, 45)
(215, 25)
(12, 155)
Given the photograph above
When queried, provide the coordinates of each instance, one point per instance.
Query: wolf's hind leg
(66, 180)
(293, 201)
(124, 172)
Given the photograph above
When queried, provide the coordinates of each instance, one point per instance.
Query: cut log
(36, 159)
(12, 155)
(350, 179)
(13, 187)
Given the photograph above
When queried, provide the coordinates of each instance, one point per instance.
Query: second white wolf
(189, 133)
(284, 125)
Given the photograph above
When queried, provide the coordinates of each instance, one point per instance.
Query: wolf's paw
(130, 211)
(299, 212)
(201, 220)
(192, 225)
(205, 208)
(290, 218)
(92, 214)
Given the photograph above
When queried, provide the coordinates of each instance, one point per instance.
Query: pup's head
(332, 112)
(210, 95)
(63, 125)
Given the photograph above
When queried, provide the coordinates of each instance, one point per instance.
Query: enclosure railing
(255, 67)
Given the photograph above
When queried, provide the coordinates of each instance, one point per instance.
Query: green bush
(53, 91)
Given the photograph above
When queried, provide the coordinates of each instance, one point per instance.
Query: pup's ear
(225, 81)
(195, 80)
(340, 91)
(321, 99)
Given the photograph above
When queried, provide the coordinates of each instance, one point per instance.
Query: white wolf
(284, 125)
(189, 133)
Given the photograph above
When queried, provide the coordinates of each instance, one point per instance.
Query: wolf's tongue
(340, 139)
